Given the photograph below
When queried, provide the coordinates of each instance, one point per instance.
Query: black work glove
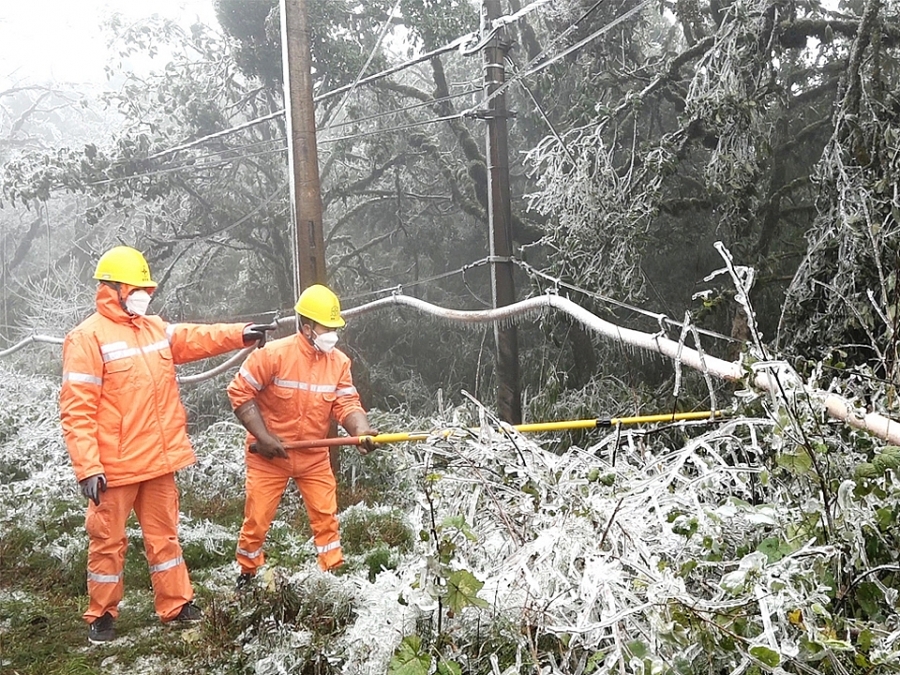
(258, 332)
(92, 486)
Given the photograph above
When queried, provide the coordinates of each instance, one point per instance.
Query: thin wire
(460, 43)
(187, 165)
(455, 44)
(414, 106)
(218, 134)
(382, 33)
(661, 318)
(578, 45)
(543, 114)
(397, 288)
(467, 113)
(213, 165)
(411, 125)
(191, 162)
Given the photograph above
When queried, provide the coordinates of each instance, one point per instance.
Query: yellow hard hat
(125, 265)
(321, 305)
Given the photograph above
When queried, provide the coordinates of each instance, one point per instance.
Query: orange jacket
(298, 389)
(119, 404)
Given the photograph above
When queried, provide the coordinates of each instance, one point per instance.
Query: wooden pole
(303, 161)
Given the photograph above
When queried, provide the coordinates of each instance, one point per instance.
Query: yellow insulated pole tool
(616, 421)
(563, 425)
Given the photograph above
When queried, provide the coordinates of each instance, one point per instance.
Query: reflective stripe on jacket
(298, 389)
(119, 404)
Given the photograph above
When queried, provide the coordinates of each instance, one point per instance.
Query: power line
(578, 45)
(398, 288)
(382, 33)
(455, 44)
(187, 165)
(413, 106)
(404, 127)
(192, 163)
(461, 43)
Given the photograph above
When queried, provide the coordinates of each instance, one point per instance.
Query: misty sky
(61, 40)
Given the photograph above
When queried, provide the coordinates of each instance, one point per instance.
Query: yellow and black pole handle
(563, 425)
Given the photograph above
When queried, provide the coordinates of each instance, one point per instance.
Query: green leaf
(768, 656)
(774, 549)
(462, 590)
(865, 640)
(638, 648)
(797, 462)
(594, 662)
(686, 568)
(409, 658)
(459, 523)
(448, 668)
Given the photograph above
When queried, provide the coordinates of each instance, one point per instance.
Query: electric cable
(397, 288)
(381, 34)
(192, 162)
(404, 127)
(413, 106)
(459, 43)
(569, 50)
(455, 44)
(189, 165)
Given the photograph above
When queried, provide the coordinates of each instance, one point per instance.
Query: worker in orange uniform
(290, 391)
(124, 427)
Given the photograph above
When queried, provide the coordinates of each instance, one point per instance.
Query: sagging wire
(398, 288)
(465, 281)
(472, 112)
(464, 44)
(413, 106)
(459, 43)
(381, 35)
(316, 99)
(411, 125)
(543, 114)
(191, 163)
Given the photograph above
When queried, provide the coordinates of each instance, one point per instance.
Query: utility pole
(303, 160)
(509, 403)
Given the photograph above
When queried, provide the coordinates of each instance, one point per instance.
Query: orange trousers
(265, 485)
(155, 502)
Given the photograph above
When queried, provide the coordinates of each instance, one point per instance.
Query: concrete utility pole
(509, 403)
(303, 160)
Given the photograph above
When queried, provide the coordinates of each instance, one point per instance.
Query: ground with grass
(695, 548)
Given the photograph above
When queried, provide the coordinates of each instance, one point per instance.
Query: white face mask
(137, 302)
(326, 341)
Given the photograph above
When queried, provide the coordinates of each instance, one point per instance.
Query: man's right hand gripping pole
(267, 444)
